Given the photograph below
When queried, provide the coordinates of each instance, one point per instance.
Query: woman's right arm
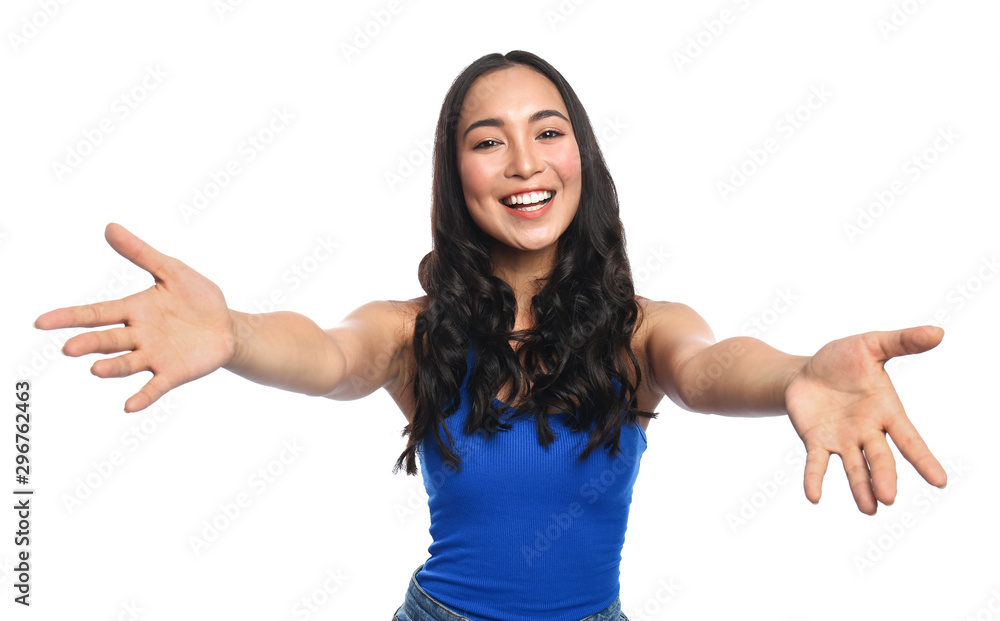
(181, 329)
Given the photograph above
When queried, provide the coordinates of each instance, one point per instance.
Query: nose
(523, 159)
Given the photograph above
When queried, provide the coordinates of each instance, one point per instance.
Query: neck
(521, 269)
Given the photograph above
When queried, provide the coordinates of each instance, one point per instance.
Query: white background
(671, 131)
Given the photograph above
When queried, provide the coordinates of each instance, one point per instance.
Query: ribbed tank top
(522, 533)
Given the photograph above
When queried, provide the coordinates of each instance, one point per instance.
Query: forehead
(513, 93)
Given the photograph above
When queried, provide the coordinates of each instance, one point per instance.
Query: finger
(138, 251)
(816, 462)
(904, 435)
(105, 342)
(905, 342)
(148, 394)
(860, 480)
(121, 366)
(86, 316)
(882, 466)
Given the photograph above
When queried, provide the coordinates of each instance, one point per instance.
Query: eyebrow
(538, 116)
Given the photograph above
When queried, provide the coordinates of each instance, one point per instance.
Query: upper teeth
(527, 198)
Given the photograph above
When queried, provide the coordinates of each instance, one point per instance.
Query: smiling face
(518, 160)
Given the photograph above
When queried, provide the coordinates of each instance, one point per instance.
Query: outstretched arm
(289, 351)
(739, 376)
(181, 329)
(840, 400)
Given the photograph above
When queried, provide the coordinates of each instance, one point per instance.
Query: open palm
(180, 328)
(842, 401)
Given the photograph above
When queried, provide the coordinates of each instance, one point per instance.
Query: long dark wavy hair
(585, 313)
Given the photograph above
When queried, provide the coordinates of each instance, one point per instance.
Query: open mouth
(529, 201)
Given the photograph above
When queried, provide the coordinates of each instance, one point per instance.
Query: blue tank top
(525, 533)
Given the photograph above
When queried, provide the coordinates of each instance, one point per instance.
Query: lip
(531, 215)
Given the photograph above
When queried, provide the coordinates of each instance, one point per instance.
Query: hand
(180, 328)
(842, 401)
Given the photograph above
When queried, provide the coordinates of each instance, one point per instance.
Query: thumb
(137, 251)
(907, 341)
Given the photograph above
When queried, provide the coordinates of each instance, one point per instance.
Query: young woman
(529, 372)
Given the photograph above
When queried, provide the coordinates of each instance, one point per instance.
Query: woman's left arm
(839, 400)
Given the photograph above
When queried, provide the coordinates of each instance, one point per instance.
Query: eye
(553, 133)
(484, 144)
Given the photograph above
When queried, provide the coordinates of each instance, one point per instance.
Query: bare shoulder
(374, 340)
(670, 334)
(652, 313)
(399, 315)
(399, 318)
(672, 318)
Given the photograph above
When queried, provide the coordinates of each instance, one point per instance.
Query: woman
(529, 372)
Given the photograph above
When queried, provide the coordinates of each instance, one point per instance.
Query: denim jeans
(419, 606)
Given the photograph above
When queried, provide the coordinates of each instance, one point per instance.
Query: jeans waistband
(420, 606)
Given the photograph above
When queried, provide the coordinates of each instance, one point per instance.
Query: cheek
(568, 165)
(475, 182)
